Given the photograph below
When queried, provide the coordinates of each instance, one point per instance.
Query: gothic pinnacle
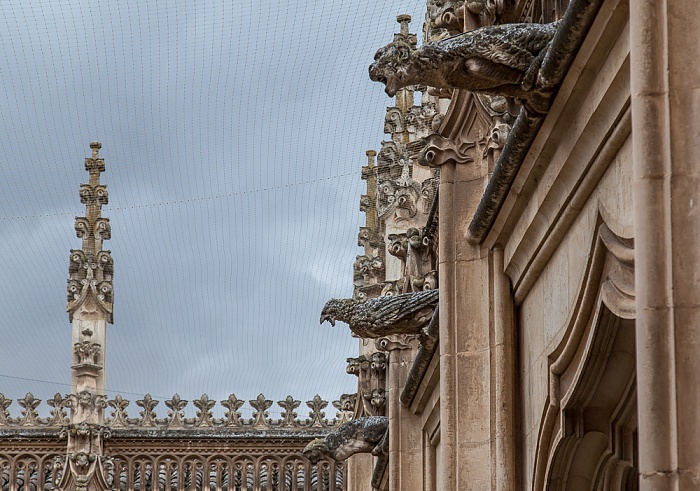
(91, 268)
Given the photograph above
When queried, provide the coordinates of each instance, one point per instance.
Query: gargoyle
(500, 60)
(362, 435)
(408, 313)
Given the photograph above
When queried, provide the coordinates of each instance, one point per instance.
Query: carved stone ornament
(29, 415)
(289, 417)
(439, 150)
(392, 288)
(90, 275)
(378, 364)
(4, 413)
(57, 416)
(399, 342)
(368, 268)
(423, 119)
(82, 470)
(345, 407)
(91, 269)
(363, 435)
(376, 398)
(232, 415)
(148, 415)
(369, 239)
(204, 415)
(316, 416)
(408, 313)
(86, 406)
(260, 416)
(87, 352)
(450, 17)
(176, 416)
(498, 60)
(119, 416)
(447, 15)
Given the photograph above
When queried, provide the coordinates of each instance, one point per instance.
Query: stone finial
(95, 149)
(370, 157)
(90, 268)
(404, 20)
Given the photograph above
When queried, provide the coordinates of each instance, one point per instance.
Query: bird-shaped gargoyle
(361, 435)
(499, 60)
(408, 313)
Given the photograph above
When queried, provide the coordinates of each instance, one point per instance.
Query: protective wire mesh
(233, 134)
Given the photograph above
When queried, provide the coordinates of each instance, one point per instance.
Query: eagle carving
(408, 313)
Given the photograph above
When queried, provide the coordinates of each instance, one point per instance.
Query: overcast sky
(233, 134)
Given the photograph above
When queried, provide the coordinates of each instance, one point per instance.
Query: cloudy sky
(233, 133)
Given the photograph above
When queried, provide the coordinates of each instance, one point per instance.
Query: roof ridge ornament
(91, 269)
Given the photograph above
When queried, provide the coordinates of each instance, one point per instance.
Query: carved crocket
(361, 435)
(499, 60)
(382, 316)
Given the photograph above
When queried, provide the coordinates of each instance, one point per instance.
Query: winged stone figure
(408, 313)
(361, 435)
(498, 60)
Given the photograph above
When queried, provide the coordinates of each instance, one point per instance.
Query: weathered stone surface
(499, 60)
(363, 435)
(408, 313)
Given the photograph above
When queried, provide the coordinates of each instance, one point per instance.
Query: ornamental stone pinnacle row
(91, 269)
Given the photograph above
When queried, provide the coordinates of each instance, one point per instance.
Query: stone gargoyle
(408, 313)
(499, 60)
(361, 435)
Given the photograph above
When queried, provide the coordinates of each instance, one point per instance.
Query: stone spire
(91, 268)
(89, 310)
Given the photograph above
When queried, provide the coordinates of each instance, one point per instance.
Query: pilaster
(665, 85)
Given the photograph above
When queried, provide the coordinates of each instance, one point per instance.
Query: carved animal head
(315, 450)
(347, 402)
(378, 362)
(398, 245)
(376, 398)
(336, 309)
(389, 67)
(353, 367)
